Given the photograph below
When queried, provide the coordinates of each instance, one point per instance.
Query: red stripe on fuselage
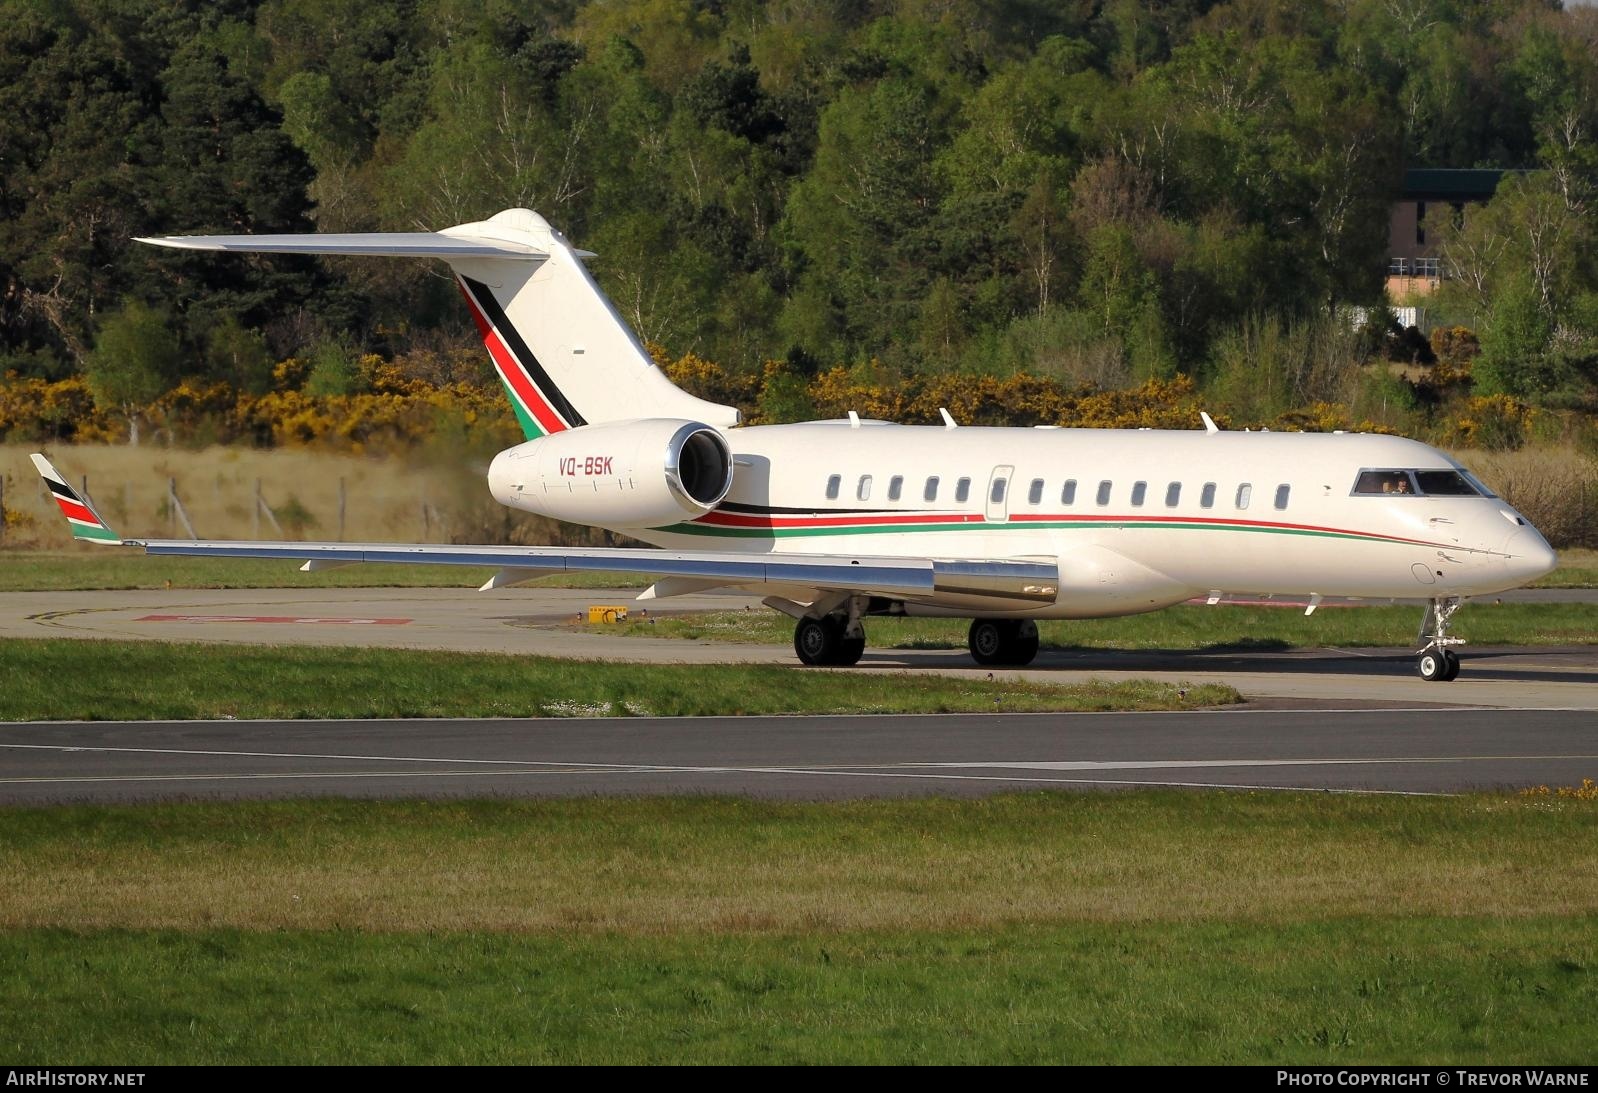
(1028, 517)
(512, 371)
(760, 520)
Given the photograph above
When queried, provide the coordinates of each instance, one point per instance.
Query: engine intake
(621, 475)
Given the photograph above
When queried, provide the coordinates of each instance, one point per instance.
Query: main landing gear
(1438, 663)
(827, 643)
(1011, 642)
(838, 640)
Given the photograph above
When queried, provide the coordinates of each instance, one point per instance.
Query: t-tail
(563, 353)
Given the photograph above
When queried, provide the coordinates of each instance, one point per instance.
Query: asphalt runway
(536, 621)
(808, 758)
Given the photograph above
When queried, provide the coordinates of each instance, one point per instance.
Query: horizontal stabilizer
(379, 244)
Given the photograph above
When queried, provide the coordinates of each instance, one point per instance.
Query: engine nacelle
(623, 474)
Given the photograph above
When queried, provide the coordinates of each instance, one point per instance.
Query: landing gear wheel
(817, 640)
(1438, 663)
(987, 640)
(1452, 672)
(821, 643)
(1007, 642)
(1026, 644)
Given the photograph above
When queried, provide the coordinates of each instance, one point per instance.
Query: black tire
(1453, 666)
(1025, 647)
(1433, 667)
(816, 641)
(989, 640)
(850, 650)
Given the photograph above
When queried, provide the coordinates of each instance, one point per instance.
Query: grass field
(1577, 569)
(1181, 627)
(96, 567)
(1133, 927)
(140, 680)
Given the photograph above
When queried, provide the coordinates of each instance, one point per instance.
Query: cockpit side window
(1434, 483)
(1380, 483)
(1445, 484)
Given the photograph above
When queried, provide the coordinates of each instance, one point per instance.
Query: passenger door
(998, 497)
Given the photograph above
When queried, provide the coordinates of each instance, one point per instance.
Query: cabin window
(1068, 492)
(895, 487)
(996, 491)
(1207, 496)
(864, 490)
(1139, 491)
(1104, 493)
(1034, 495)
(1173, 495)
(1243, 493)
(832, 486)
(962, 490)
(931, 492)
(1281, 495)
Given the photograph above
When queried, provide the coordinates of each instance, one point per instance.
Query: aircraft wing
(998, 583)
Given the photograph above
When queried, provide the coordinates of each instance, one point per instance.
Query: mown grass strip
(112, 680)
(1181, 627)
(642, 866)
(107, 568)
(1366, 990)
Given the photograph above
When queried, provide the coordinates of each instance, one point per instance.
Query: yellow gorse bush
(394, 409)
(1587, 791)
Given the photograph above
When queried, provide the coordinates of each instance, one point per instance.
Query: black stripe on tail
(520, 350)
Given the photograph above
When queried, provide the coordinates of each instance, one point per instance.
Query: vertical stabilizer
(564, 353)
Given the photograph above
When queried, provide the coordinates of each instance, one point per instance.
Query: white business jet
(833, 521)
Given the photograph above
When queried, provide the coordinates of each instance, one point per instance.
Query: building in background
(1429, 195)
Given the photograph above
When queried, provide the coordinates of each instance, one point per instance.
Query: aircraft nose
(1529, 555)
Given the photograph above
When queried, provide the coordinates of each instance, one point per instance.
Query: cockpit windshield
(1419, 483)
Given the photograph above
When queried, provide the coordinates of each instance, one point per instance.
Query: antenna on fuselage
(1209, 423)
(948, 420)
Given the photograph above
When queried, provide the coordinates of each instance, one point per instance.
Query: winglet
(81, 517)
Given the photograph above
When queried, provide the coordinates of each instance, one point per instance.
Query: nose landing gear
(1437, 662)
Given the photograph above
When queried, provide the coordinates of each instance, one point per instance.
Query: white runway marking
(1041, 770)
(1179, 764)
(816, 771)
(1017, 764)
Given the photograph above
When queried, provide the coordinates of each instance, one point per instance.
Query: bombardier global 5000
(833, 521)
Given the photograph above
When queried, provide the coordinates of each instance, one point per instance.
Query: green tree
(333, 370)
(135, 356)
(239, 357)
(1514, 343)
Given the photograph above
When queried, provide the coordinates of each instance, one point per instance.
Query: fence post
(263, 509)
(178, 513)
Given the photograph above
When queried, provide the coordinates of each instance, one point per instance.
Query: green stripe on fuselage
(1077, 525)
